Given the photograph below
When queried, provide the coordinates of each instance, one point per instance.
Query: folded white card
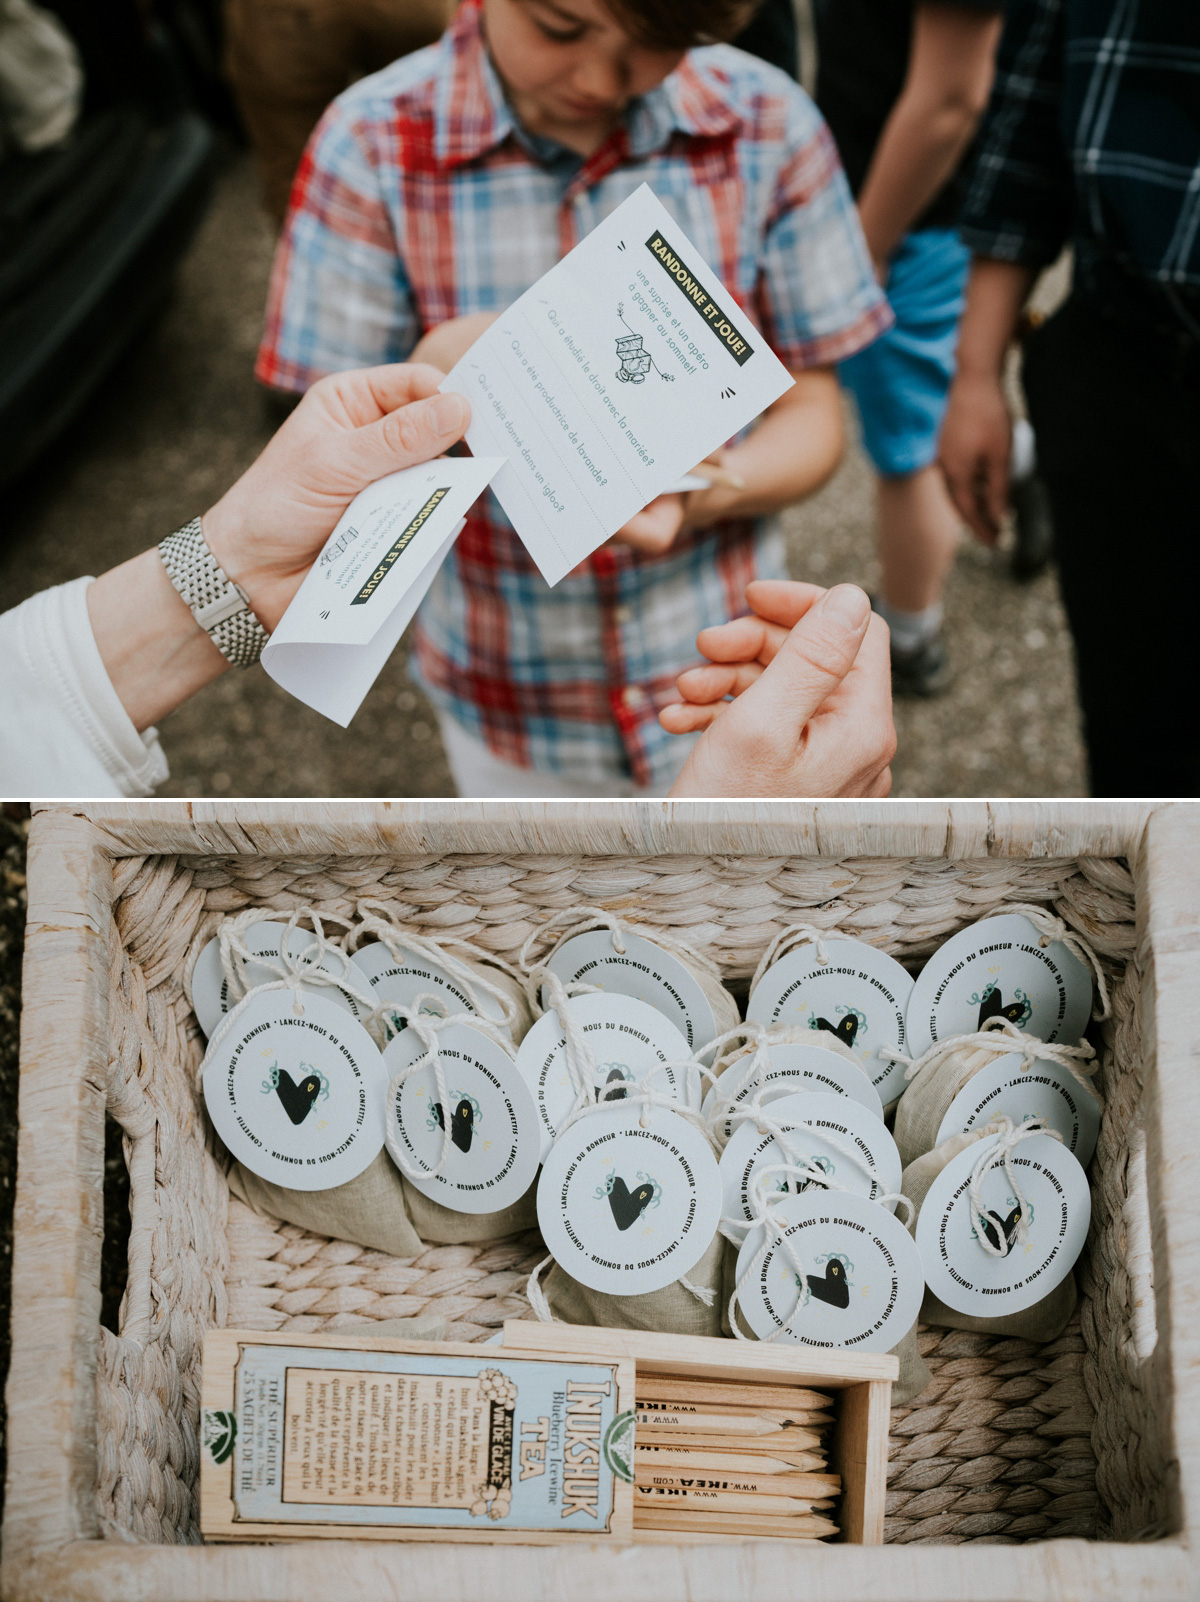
(627, 364)
(360, 595)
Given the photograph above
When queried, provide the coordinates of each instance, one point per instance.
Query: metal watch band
(218, 604)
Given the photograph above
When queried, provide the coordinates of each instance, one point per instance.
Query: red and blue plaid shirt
(420, 198)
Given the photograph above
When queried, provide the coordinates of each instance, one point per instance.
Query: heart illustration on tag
(845, 1031)
(297, 1099)
(628, 1206)
(462, 1123)
(1008, 1227)
(833, 1286)
(991, 1005)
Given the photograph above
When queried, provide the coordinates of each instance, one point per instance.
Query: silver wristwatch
(220, 606)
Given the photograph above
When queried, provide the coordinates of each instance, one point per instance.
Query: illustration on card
(297, 1098)
(991, 1004)
(615, 1078)
(627, 1205)
(851, 1022)
(464, 1120)
(493, 1496)
(635, 359)
(1003, 1231)
(218, 1433)
(834, 1285)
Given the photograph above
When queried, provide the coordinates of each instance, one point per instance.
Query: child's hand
(812, 713)
(450, 341)
(654, 528)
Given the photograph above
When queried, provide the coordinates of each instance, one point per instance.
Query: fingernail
(448, 413)
(847, 605)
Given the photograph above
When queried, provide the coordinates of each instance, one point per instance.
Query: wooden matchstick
(678, 1456)
(723, 1501)
(656, 1423)
(782, 1445)
(663, 1517)
(781, 1485)
(695, 1394)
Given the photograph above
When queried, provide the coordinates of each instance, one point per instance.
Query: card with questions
(790, 1067)
(1020, 1090)
(361, 593)
(210, 988)
(861, 1285)
(834, 1134)
(629, 1200)
(631, 1041)
(1044, 1228)
(643, 970)
(493, 1154)
(295, 1088)
(858, 996)
(623, 367)
(999, 968)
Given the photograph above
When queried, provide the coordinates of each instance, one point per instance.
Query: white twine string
(1002, 1036)
(581, 920)
(1052, 928)
(427, 1027)
(1008, 1138)
(377, 918)
(796, 934)
(236, 955)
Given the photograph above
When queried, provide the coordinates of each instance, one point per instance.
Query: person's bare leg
(918, 539)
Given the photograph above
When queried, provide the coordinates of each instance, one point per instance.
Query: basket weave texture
(1011, 1441)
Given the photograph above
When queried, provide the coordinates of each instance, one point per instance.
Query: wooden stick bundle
(664, 1517)
(679, 1455)
(748, 1484)
(696, 1394)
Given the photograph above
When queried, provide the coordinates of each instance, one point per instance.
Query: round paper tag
(842, 1137)
(1043, 1091)
(210, 989)
(792, 1067)
(1057, 1209)
(862, 1284)
(994, 969)
(402, 980)
(298, 1099)
(627, 1209)
(859, 996)
(646, 972)
(630, 1040)
(493, 1157)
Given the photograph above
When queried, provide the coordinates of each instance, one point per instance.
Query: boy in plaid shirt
(439, 190)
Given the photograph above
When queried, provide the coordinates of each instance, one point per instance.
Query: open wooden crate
(103, 1454)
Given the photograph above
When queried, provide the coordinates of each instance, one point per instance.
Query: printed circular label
(297, 1098)
(859, 996)
(494, 1149)
(627, 1205)
(646, 972)
(631, 1042)
(400, 980)
(210, 988)
(791, 1067)
(836, 1135)
(861, 1285)
(997, 969)
(1044, 1090)
(1055, 1212)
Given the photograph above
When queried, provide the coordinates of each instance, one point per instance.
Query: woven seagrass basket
(1078, 1458)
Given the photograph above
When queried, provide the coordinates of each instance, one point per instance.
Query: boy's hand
(654, 528)
(444, 346)
(349, 430)
(813, 708)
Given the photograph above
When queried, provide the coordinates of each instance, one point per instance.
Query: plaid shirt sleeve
(339, 295)
(818, 298)
(1019, 202)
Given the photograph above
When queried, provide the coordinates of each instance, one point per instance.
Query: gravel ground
(182, 417)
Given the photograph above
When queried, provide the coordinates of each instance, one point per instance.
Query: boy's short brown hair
(680, 24)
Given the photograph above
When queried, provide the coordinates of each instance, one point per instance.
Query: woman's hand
(349, 430)
(812, 714)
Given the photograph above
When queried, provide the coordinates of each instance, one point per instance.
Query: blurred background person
(903, 84)
(1093, 138)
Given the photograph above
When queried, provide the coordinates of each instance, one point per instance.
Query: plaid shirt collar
(472, 115)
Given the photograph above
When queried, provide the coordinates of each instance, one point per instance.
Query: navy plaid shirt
(1092, 137)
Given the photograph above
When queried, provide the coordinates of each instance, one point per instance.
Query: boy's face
(569, 67)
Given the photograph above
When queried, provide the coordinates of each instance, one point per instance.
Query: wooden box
(103, 1443)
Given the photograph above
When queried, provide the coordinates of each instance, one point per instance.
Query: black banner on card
(399, 546)
(731, 337)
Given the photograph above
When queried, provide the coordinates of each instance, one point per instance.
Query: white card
(629, 1201)
(631, 1041)
(859, 996)
(1012, 1088)
(297, 1098)
(361, 593)
(645, 971)
(494, 1147)
(838, 1132)
(862, 1275)
(401, 980)
(210, 988)
(997, 968)
(623, 367)
(792, 1066)
(1057, 1210)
